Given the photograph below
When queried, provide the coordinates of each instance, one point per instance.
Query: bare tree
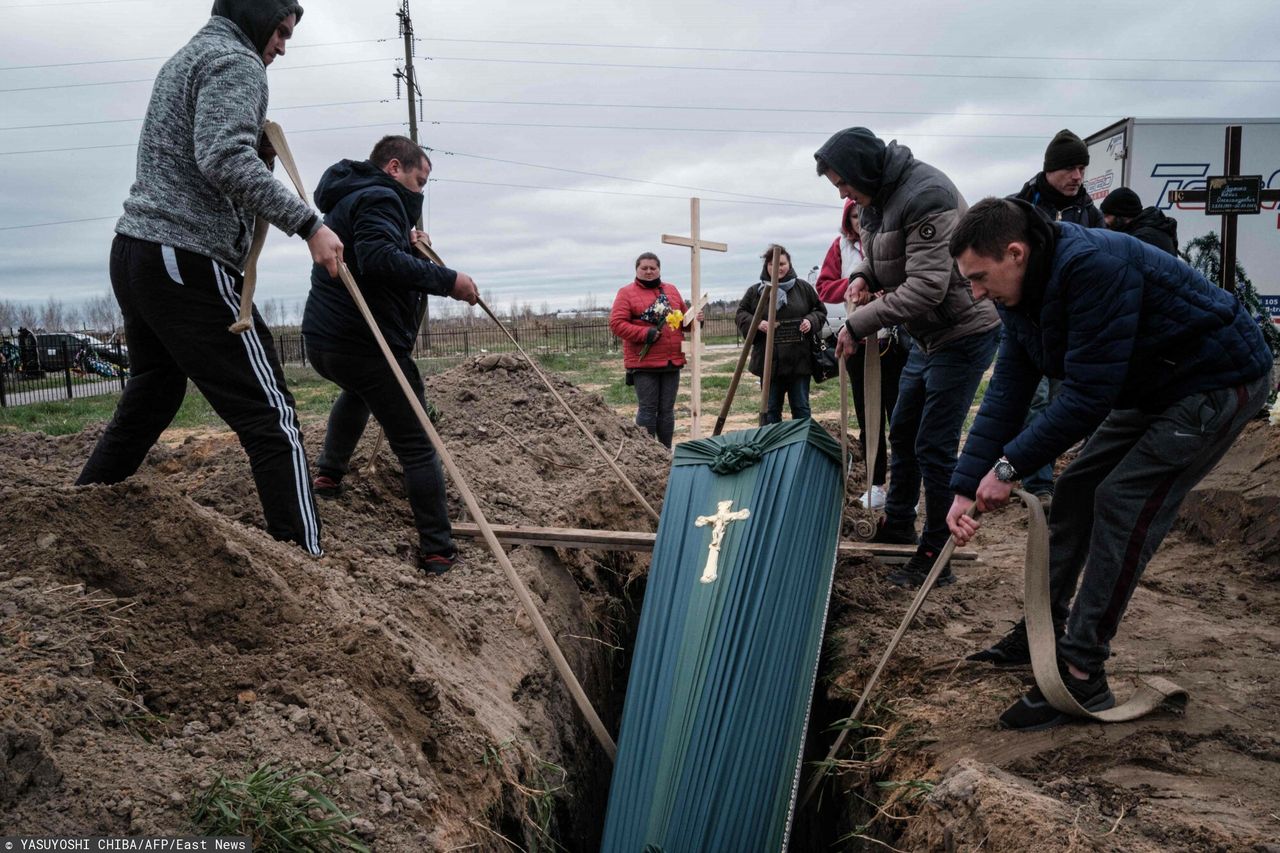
(8, 314)
(28, 317)
(53, 315)
(103, 313)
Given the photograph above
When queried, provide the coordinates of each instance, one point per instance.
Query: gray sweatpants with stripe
(1116, 502)
(177, 306)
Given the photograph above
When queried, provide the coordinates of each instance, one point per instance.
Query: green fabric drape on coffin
(718, 698)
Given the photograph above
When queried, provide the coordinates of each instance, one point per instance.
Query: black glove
(652, 335)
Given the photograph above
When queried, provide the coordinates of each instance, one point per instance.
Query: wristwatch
(1004, 470)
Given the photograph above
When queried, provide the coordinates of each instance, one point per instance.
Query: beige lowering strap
(1153, 691)
(871, 414)
(490, 538)
(275, 135)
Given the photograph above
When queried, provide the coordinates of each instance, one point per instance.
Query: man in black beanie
(1059, 191)
(1122, 210)
(908, 279)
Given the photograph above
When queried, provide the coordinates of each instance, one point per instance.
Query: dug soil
(153, 637)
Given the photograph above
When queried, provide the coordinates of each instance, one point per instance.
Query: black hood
(1044, 242)
(257, 19)
(348, 176)
(1156, 220)
(857, 156)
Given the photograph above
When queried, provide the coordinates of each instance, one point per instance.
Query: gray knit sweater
(200, 181)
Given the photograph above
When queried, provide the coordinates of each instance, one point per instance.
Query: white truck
(1152, 156)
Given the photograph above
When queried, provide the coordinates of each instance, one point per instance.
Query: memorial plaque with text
(1237, 194)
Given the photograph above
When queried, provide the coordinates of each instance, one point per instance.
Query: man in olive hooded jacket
(908, 278)
(203, 178)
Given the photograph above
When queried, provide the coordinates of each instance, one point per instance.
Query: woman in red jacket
(651, 349)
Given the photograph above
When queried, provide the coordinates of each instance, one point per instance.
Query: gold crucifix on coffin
(720, 521)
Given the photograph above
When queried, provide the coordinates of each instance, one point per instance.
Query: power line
(823, 110)
(913, 74)
(628, 128)
(788, 132)
(152, 79)
(135, 145)
(877, 53)
(59, 222)
(620, 178)
(158, 58)
(273, 111)
(506, 185)
(72, 3)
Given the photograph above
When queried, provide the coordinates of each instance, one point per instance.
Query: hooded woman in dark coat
(800, 316)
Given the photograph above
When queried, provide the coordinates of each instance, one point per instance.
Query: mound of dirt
(942, 776)
(154, 636)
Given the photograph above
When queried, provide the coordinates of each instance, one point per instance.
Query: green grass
(314, 396)
(278, 811)
(599, 371)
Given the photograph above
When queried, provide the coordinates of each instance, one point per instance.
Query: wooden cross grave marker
(696, 244)
(1231, 195)
(720, 521)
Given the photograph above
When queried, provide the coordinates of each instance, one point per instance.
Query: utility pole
(406, 74)
(409, 78)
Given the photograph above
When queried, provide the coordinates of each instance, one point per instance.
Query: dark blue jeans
(796, 389)
(656, 392)
(368, 386)
(934, 397)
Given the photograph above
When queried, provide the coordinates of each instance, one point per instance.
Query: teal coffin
(727, 651)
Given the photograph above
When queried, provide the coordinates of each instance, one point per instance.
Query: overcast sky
(655, 98)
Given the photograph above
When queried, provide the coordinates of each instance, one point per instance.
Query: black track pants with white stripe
(177, 306)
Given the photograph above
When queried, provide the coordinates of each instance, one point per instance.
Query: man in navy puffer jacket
(372, 206)
(1162, 367)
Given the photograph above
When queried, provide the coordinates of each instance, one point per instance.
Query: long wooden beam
(626, 540)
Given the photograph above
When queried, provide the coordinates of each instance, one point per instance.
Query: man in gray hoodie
(203, 177)
(907, 278)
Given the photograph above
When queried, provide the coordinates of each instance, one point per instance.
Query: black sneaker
(438, 564)
(893, 535)
(1010, 650)
(326, 487)
(912, 573)
(1033, 713)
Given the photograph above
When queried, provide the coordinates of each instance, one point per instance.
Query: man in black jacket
(372, 206)
(1059, 191)
(1122, 210)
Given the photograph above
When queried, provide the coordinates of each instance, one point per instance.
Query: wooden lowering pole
(244, 321)
(429, 253)
(742, 363)
(473, 506)
(695, 242)
(774, 262)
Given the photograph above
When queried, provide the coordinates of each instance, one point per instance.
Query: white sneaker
(873, 498)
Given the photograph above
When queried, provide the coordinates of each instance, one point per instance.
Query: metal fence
(456, 344)
(45, 367)
(59, 366)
